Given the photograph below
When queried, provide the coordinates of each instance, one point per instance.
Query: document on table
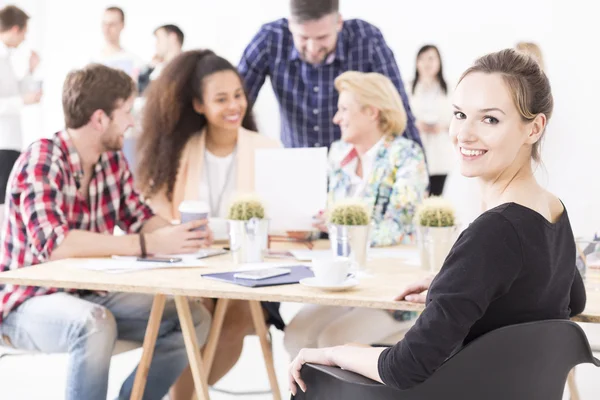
(292, 183)
(118, 264)
(309, 255)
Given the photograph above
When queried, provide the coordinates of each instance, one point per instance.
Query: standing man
(169, 41)
(113, 54)
(303, 55)
(66, 196)
(13, 28)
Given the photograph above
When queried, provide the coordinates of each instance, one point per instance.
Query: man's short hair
(117, 10)
(169, 28)
(310, 10)
(12, 16)
(95, 87)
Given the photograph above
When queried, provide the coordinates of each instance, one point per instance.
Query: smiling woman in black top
(515, 263)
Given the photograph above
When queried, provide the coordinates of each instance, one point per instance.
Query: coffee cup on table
(331, 271)
(192, 210)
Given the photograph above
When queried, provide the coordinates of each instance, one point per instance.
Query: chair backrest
(525, 361)
(520, 362)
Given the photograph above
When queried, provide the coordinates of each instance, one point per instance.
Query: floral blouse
(395, 187)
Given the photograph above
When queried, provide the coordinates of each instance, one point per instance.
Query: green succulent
(349, 213)
(245, 208)
(436, 212)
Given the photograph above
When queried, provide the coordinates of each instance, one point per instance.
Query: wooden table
(387, 278)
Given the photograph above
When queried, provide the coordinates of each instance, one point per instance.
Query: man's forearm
(78, 243)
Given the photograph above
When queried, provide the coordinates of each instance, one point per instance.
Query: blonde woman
(532, 50)
(374, 163)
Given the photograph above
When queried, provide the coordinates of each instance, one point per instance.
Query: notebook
(297, 273)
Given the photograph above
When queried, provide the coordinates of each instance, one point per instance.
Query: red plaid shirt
(43, 204)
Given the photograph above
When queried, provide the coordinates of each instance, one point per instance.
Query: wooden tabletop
(386, 278)
(377, 290)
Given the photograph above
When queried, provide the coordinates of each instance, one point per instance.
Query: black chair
(521, 362)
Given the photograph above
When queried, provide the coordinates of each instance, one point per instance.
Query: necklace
(215, 204)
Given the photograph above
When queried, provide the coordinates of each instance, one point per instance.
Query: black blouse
(510, 266)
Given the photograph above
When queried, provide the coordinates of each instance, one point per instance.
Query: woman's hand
(314, 356)
(421, 126)
(428, 128)
(414, 292)
(435, 129)
(299, 235)
(178, 239)
(320, 222)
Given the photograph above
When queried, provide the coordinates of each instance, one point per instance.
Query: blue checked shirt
(306, 95)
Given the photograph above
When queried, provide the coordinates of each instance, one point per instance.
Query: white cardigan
(433, 107)
(11, 104)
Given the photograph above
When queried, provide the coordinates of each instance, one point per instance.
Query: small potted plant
(248, 229)
(349, 230)
(436, 231)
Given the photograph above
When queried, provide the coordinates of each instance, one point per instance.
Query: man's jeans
(87, 329)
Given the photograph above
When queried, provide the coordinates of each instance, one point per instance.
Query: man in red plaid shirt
(65, 197)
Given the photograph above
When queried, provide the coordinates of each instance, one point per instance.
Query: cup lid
(195, 206)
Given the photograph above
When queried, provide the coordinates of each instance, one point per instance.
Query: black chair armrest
(333, 383)
(342, 374)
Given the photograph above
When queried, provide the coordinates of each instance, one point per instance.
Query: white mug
(331, 271)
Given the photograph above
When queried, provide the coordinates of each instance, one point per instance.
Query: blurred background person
(169, 41)
(430, 104)
(13, 29)
(113, 54)
(532, 50)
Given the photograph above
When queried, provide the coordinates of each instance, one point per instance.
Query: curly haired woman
(197, 143)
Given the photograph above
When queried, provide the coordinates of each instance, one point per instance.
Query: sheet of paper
(293, 185)
(264, 265)
(129, 264)
(309, 255)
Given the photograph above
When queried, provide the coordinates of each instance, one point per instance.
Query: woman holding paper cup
(372, 162)
(196, 151)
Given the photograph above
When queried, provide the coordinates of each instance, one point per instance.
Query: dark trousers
(7, 161)
(436, 184)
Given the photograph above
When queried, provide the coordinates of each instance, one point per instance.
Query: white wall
(67, 32)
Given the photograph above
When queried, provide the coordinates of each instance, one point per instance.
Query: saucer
(347, 284)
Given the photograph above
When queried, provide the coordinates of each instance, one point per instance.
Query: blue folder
(297, 272)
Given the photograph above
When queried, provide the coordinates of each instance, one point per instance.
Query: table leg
(158, 306)
(191, 345)
(215, 332)
(573, 391)
(260, 326)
